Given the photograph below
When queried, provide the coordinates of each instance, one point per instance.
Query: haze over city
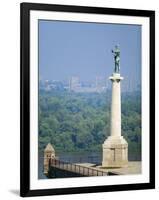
(69, 49)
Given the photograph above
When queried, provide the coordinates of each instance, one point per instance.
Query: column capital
(116, 77)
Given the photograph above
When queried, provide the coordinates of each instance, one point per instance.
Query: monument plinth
(115, 147)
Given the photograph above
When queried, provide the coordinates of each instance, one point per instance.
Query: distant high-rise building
(74, 83)
(89, 86)
(100, 83)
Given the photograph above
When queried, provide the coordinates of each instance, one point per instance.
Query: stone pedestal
(115, 152)
(115, 147)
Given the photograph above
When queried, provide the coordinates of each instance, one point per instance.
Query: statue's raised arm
(116, 53)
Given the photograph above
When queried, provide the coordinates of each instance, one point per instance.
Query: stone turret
(49, 153)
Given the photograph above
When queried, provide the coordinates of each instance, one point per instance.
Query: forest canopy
(74, 122)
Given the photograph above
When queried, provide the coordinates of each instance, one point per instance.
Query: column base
(115, 152)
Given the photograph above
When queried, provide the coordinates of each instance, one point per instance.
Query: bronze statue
(116, 53)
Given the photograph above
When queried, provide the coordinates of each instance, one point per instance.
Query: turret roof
(49, 147)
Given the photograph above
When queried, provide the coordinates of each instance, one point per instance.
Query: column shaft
(116, 109)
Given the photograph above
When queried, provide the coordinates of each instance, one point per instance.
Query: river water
(86, 157)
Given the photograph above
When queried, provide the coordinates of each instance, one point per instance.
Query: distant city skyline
(69, 49)
(74, 83)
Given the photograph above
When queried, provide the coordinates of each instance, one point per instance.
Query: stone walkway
(134, 167)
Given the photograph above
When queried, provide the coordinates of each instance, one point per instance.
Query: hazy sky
(84, 49)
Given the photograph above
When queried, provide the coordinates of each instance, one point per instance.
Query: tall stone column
(115, 147)
(115, 128)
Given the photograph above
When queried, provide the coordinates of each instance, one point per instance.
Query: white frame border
(36, 183)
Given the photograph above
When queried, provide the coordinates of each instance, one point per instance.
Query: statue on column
(116, 53)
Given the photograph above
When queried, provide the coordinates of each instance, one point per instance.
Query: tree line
(74, 122)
